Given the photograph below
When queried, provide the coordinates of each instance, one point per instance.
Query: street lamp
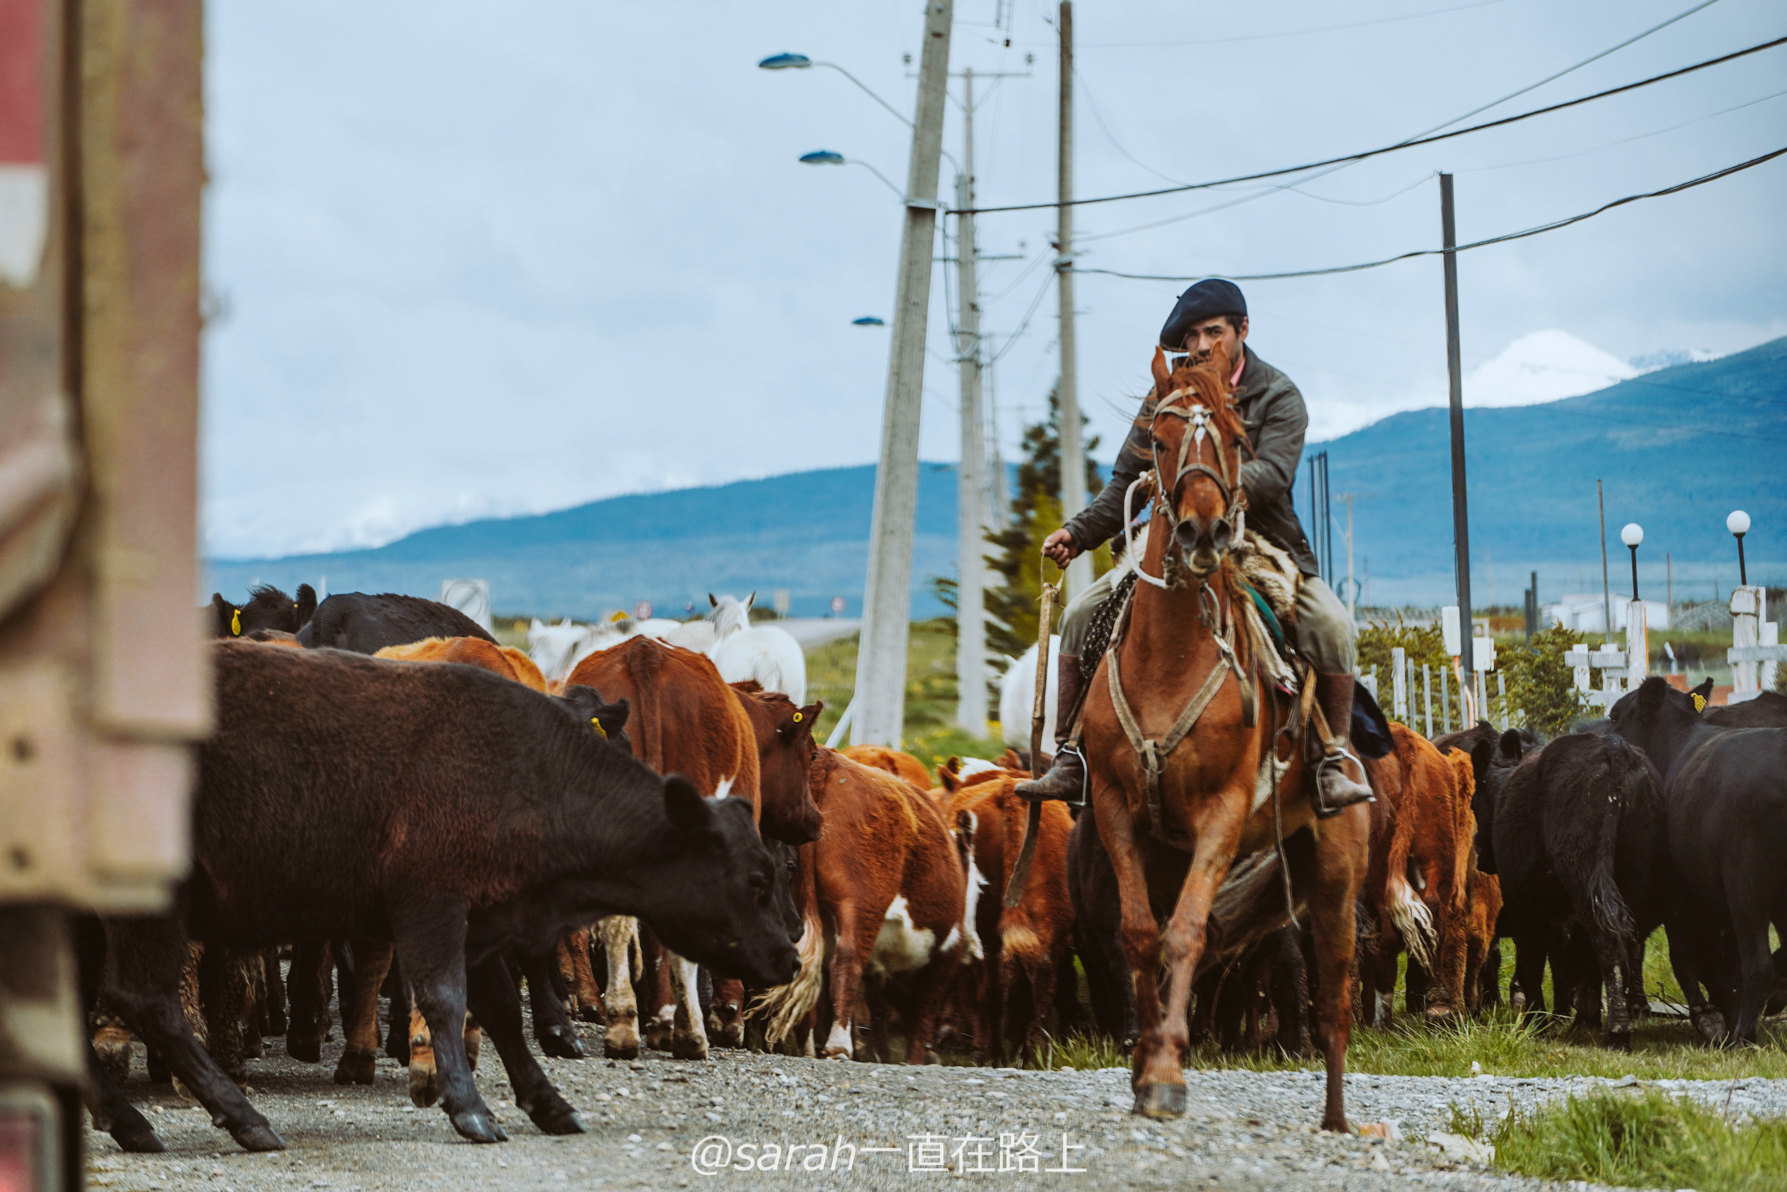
(1739, 525)
(802, 62)
(1632, 535)
(868, 321)
(826, 157)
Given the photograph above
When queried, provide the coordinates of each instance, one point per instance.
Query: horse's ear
(750, 600)
(1162, 374)
(712, 601)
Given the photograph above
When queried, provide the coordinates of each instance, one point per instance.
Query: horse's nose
(1188, 533)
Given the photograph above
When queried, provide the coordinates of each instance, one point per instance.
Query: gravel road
(650, 1123)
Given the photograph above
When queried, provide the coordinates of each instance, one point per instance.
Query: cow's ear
(690, 814)
(949, 775)
(306, 604)
(229, 617)
(1650, 695)
(800, 721)
(612, 717)
(1511, 745)
(1482, 753)
(1702, 695)
(1162, 374)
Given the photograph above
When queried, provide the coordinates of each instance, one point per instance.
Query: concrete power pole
(1073, 465)
(887, 599)
(971, 636)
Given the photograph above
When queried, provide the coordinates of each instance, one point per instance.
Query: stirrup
(1334, 763)
(1036, 790)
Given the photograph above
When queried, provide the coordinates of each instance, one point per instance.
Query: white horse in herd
(739, 651)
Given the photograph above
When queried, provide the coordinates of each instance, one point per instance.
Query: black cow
(1726, 794)
(457, 814)
(367, 624)
(1577, 839)
(267, 608)
(1768, 710)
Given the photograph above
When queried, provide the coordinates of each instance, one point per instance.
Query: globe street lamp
(1632, 535)
(1739, 525)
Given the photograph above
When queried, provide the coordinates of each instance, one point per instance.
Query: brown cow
(885, 887)
(686, 721)
(1417, 880)
(895, 762)
(1483, 904)
(506, 661)
(1027, 942)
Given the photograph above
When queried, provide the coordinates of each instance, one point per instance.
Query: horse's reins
(1153, 754)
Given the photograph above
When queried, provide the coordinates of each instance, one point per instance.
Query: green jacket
(1276, 420)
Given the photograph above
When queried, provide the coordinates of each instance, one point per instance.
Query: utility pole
(1461, 534)
(1073, 456)
(1352, 589)
(1606, 587)
(971, 635)
(887, 599)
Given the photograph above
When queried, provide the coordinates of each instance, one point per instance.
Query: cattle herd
(396, 809)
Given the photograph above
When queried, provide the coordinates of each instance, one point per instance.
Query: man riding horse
(1212, 316)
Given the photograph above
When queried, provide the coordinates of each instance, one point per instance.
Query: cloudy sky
(472, 258)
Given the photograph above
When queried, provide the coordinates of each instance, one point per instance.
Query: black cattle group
(462, 817)
(1660, 815)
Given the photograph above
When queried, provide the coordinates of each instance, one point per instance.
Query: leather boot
(1339, 778)
(1066, 779)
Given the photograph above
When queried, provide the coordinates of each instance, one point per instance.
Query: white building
(1588, 614)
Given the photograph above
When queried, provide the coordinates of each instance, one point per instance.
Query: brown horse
(1176, 724)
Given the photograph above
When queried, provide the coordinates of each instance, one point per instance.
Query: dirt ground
(749, 1120)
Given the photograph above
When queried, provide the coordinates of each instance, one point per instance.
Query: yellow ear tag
(597, 725)
(236, 623)
(1699, 701)
(797, 718)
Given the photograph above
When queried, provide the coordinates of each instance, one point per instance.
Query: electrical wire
(1433, 252)
(1218, 41)
(1423, 139)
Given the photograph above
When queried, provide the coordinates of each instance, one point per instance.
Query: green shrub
(1542, 693)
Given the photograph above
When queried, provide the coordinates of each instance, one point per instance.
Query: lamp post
(1739, 525)
(1632, 535)
(1637, 622)
(878, 707)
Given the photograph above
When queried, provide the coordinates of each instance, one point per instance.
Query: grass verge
(1643, 1139)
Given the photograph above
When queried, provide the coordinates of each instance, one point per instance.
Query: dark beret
(1208, 299)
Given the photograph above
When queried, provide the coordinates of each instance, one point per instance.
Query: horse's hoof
(554, 1043)
(137, 1138)
(306, 1049)
(1160, 1100)
(558, 1119)
(258, 1138)
(355, 1067)
(425, 1088)
(476, 1125)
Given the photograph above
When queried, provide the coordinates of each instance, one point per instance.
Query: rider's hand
(1059, 548)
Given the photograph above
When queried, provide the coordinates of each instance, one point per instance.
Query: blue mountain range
(1676, 450)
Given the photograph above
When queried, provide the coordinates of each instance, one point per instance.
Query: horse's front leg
(1160, 1089)
(1140, 936)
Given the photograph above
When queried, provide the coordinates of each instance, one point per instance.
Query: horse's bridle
(1199, 421)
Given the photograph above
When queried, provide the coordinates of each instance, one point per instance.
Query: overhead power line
(1434, 252)
(1221, 41)
(1409, 144)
